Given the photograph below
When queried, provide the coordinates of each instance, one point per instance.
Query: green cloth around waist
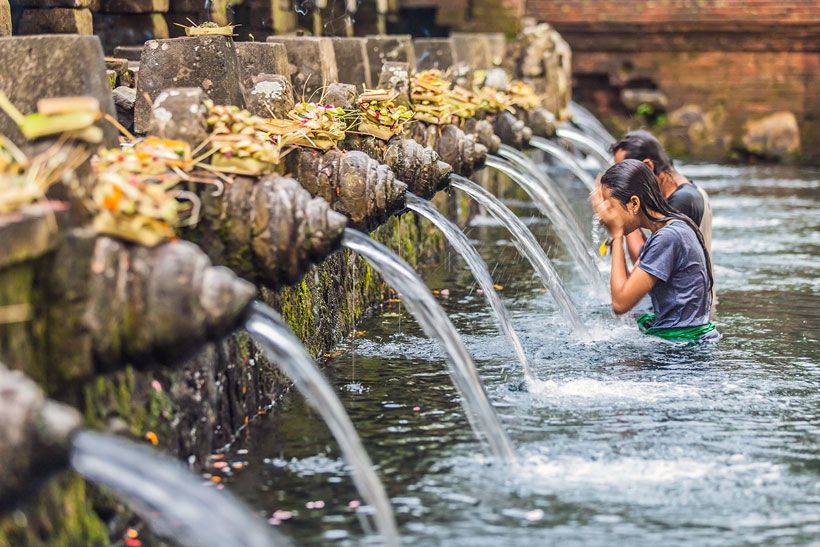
(682, 334)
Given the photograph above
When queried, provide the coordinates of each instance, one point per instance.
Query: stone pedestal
(312, 64)
(37, 67)
(55, 21)
(397, 48)
(434, 53)
(257, 58)
(206, 62)
(351, 53)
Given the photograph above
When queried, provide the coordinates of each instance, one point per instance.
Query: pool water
(624, 439)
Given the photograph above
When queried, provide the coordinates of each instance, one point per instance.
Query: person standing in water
(673, 265)
(680, 192)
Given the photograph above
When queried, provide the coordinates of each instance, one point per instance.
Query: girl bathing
(673, 266)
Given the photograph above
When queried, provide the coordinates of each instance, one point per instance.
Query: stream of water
(462, 245)
(565, 159)
(528, 246)
(285, 350)
(559, 214)
(630, 442)
(587, 121)
(587, 144)
(168, 497)
(435, 323)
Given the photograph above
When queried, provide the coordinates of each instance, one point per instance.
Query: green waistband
(683, 333)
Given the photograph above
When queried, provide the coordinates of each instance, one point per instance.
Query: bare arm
(627, 290)
(634, 241)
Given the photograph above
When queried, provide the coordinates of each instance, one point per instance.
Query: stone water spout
(364, 190)
(35, 436)
(268, 230)
(419, 167)
(113, 302)
(94, 303)
(455, 147)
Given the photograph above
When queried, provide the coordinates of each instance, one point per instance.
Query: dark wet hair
(634, 178)
(641, 145)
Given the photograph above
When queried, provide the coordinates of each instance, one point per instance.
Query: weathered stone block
(179, 114)
(396, 48)
(56, 21)
(774, 136)
(206, 62)
(340, 95)
(473, 48)
(498, 47)
(124, 100)
(434, 53)
(37, 67)
(269, 96)
(41, 4)
(351, 54)
(5, 18)
(133, 6)
(131, 53)
(312, 63)
(257, 58)
(396, 75)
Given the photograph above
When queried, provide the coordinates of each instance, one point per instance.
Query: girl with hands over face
(673, 266)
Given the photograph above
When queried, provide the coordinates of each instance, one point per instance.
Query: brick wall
(731, 60)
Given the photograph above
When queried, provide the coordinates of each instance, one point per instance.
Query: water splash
(565, 158)
(435, 323)
(528, 247)
(560, 215)
(285, 350)
(586, 143)
(460, 242)
(176, 504)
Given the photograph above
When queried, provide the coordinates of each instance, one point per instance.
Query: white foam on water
(631, 471)
(597, 390)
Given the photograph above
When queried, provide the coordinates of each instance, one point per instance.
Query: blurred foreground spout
(35, 436)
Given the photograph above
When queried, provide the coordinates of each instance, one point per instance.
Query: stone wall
(196, 409)
(706, 71)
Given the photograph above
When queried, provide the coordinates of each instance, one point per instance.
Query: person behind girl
(673, 266)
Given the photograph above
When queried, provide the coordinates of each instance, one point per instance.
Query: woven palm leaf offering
(244, 144)
(381, 117)
(26, 180)
(464, 103)
(320, 126)
(137, 195)
(208, 28)
(522, 95)
(428, 95)
(69, 117)
(494, 101)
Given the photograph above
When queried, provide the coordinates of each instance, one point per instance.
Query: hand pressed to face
(609, 210)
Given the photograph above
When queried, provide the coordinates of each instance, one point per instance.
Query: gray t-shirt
(681, 296)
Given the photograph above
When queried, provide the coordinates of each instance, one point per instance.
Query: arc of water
(479, 269)
(527, 246)
(587, 120)
(528, 167)
(587, 144)
(570, 234)
(286, 351)
(173, 501)
(566, 158)
(435, 323)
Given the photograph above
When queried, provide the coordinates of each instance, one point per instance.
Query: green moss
(62, 514)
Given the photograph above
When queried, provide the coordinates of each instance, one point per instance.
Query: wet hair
(642, 145)
(634, 178)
